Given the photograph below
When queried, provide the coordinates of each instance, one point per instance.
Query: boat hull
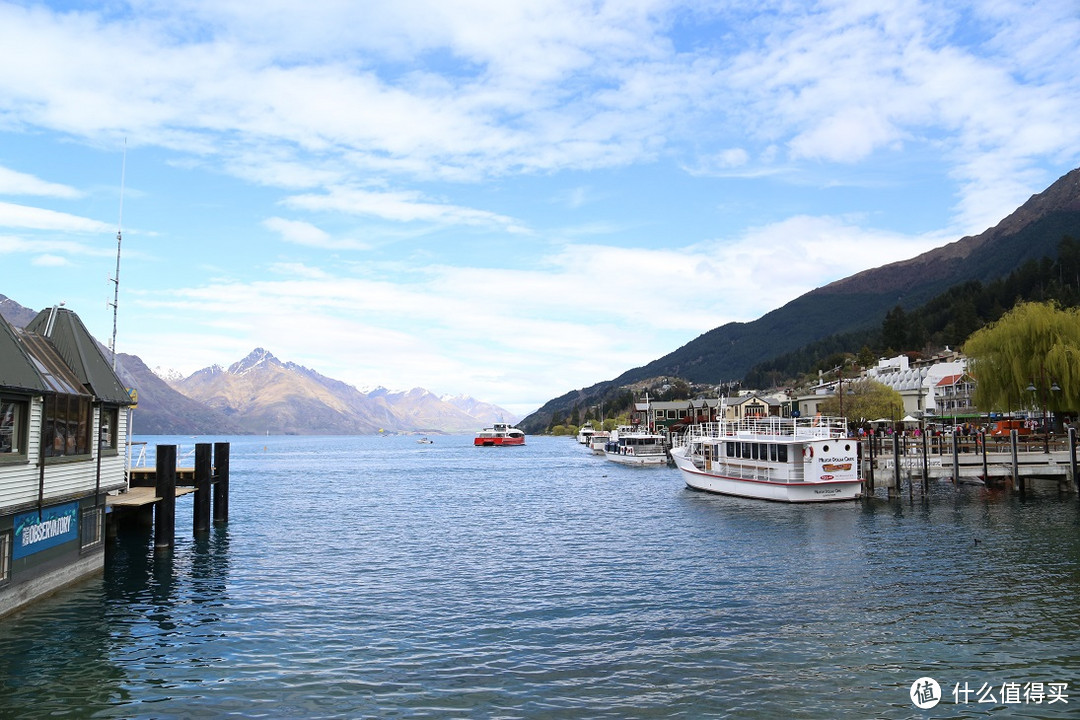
(650, 459)
(498, 441)
(792, 492)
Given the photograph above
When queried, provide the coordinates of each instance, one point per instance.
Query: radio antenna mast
(116, 278)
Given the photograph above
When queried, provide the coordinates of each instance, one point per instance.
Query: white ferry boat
(772, 458)
(585, 433)
(632, 446)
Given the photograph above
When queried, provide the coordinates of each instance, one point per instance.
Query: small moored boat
(498, 435)
(599, 441)
(632, 446)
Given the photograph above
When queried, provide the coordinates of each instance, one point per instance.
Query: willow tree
(1028, 358)
(865, 399)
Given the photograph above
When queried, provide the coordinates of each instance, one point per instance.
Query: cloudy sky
(503, 199)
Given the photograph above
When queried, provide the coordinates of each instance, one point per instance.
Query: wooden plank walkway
(139, 496)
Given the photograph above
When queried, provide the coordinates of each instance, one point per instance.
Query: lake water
(380, 578)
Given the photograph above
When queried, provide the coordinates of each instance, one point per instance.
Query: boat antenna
(119, 238)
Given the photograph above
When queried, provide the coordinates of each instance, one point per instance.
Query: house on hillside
(63, 436)
(676, 415)
(751, 406)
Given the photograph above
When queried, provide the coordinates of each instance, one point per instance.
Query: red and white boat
(498, 435)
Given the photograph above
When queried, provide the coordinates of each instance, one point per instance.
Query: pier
(150, 499)
(971, 459)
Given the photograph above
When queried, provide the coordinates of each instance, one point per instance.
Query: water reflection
(547, 583)
(56, 659)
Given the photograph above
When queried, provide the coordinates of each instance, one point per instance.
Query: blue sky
(506, 200)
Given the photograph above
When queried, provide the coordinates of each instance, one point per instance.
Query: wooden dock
(139, 496)
(151, 495)
(973, 459)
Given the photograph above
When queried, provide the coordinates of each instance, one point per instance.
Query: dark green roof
(17, 371)
(81, 352)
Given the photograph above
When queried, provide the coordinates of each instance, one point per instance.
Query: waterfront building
(63, 440)
(750, 406)
(953, 394)
(675, 415)
(919, 384)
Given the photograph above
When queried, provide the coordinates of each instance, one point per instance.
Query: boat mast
(116, 278)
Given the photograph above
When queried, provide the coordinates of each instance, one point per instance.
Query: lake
(377, 577)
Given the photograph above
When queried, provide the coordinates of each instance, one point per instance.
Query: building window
(67, 425)
(91, 527)
(5, 555)
(110, 424)
(14, 415)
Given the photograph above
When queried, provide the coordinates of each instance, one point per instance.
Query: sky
(508, 200)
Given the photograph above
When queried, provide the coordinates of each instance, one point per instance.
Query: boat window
(731, 449)
(746, 450)
(824, 448)
(772, 453)
(781, 453)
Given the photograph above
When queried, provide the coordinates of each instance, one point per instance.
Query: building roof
(17, 370)
(54, 372)
(63, 329)
(950, 380)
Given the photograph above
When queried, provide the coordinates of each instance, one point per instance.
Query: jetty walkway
(976, 459)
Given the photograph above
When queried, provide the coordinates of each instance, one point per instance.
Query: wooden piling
(1014, 442)
(986, 470)
(203, 472)
(894, 491)
(872, 457)
(1072, 458)
(925, 465)
(165, 489)
(955, 459)
(221, 487)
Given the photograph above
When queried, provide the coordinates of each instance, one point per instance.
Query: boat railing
(743, 471)
(811, 428)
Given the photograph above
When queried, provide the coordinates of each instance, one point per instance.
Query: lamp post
(1054, 387)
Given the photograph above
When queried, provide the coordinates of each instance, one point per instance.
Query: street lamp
(1054, 387)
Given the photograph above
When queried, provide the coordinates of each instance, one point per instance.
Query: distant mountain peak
(256, 358)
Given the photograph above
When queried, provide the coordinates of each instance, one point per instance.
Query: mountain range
(858, 302)
(261, 394)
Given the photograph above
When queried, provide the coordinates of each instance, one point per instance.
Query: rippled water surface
(377, 577)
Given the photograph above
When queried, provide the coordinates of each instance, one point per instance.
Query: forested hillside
(960, 285)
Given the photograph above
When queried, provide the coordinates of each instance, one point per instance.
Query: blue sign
(55, 526)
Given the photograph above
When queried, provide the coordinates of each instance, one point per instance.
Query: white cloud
(402, 206)
(304, 233)
(462, 328)
(13, 182)
(51, 261)
(34, 218)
